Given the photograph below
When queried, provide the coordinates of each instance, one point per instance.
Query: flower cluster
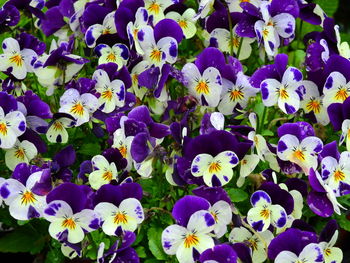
(197, 131)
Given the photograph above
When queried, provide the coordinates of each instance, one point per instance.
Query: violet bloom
(56, 132)
(20, 192)
(336, 89)
(68, 213)
(328, 237)
(104, 172)
(118, 54)
(190, 236)
(141, 20)
(9, 15)
(220, 253)
(21, 152)
(16, 61)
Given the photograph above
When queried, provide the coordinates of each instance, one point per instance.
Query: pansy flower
(95, 31)
(123, 144)
(336, 89)
(223, 253)
(225, 42)
(12, 125)
(118, 54)
(264, 213)
(156, 8)
(23, 201)
(328, 238)
(9, 15)
(311, 253)
(215, 170)
(285, 93)
(205, 87)
(21, 152)
(67, 213)
(185, 21)
(104, 172)
(313, 103)
(183, 241)
(79, 106)
(112, 93)
(16, 61)
(241, 234)
(237, 94)
(303, 153)
(205, 6)
(139, 90)
(141, 20)
(270, 29)
(57, 133)
(157, 53)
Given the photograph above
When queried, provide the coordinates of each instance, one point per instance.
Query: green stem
(239, 47)
(261, 122)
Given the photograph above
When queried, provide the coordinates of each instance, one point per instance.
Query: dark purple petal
(220, 253)
(297, 184)
(284, 6)
(53, 21)
(336, 117)
(243, 252)
(114, 155)
(186, 206)
(23, 171)
(210, 57)
(168, 28)
(328, 231)
(320, 204)
(279, 196)
(314, 182)
(212, 194)
(139, 147)
(141, 114)
(44, 185)
(122, 17)
(149, 77)
(66, 157)
(159, 130)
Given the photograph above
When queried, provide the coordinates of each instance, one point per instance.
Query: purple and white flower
(185, 21)
(104, 172)
(118, 54)
(336, 89)
(57, 133)
(311, 253)
(12, 125)
(21, 152)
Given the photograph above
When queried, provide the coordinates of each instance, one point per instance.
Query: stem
(262, 120)
(158, 209)
(255, 233)
(239, 47)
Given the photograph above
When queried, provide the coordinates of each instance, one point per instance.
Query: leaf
(90, 149)
(267, 133)
(328, 6)
(54, 256)
(343, 221)
(141, 252)
(154, 243)
(237, 195)
(30, 237)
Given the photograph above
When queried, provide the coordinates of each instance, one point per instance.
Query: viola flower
(336, 172)
(247, 166)
(284, 93)
(313, 103)
(220, 253)
(104, 172)
(156, 8)
(141, 20)
(205, 87)
(23, 201)
(9, 15)
(21, 152)
(322, 200)
(57, 133)
(183, 241)
(216, 170)
(112, 94)
(95, 31)
(79, 106)
(16, 61)
(237, 94)
(118, 54)
(135, 72)
(270, 29)
(234, 5)
(123, 144)
(336, 89)
(222, 213)
(185, 21)
(241, 234)
(311, 253)
(165, 50)
(223, 38)
(265, 213)
(12, 125)
(67, 225)
(205, 6)
(328, 239)
(127, 216)
(302, 153)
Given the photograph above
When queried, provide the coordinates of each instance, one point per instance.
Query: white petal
(200, 164)
(172, 237)
(286, 256)
(285, 24)
(133, 208)
(201, 222)
(269, 90)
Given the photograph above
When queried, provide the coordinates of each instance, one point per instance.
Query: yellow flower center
(57, 126)
(20, 153)
(202, 87)
(156, 55)
(314, 106)
(253, 243)
(123, 151)
(3, 128)
(136, 30)
(236, 95)
(327, 252)
(107, 176)
(215, 215)
(183, 23)
(283, 93)
(108, 95)
(214, 167)
(111, 57)
(265, 32)
(235, 42)
(27, 198)
(341, 94)
(106, 31)
(69, 223)
(191, 240)
(120, 218)
(339, 175)
(265, 213)
(77, 109)
(17, 59)
(244, 1)
(299, 155)
(154, 7)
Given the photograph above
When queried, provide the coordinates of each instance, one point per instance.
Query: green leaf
(54, 256)
(328, 6)
(27, 238)
(267, 133)
(141, 252)
(343, 221)
(154, 243)
(237, 195)
(90, 149)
